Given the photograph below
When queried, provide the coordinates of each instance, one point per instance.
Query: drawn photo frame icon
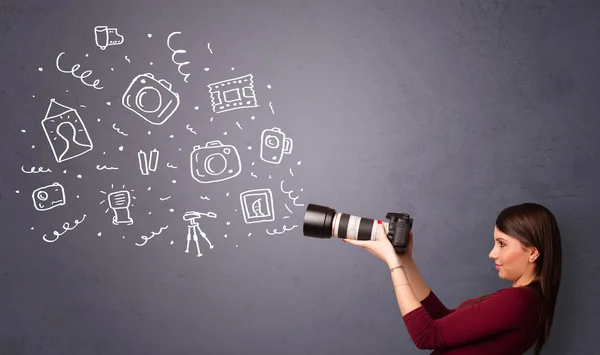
(151, 99)
(66, 132)
(48, 197)
(257, 206)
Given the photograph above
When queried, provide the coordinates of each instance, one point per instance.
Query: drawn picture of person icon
(257, 206)
(66, 132)
(194, 229)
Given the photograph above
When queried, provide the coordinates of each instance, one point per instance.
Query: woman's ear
(533, 254)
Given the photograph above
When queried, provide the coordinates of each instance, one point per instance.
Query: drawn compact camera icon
(215, 162)
(48, 197)
(274, 145)
(151, 99)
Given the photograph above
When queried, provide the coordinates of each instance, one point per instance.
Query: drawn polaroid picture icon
(257, 206)
(232, 94)
(48, 197)
(66, 132)
(151, 99)
(106, 36)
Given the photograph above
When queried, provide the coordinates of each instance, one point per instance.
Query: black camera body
(324, 223)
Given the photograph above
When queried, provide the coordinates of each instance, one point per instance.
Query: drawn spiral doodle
(175, 52)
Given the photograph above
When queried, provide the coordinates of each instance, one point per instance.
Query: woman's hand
(381, 248)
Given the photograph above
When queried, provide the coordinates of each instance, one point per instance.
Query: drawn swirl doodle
(175, 52)
(83, 75)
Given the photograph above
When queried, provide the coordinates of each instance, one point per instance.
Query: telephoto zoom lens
(324, 222)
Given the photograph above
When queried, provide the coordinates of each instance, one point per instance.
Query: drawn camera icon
(274, 145)
(48, 197)
(151, 99)
(215, 162)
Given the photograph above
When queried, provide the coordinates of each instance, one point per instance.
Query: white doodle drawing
(169, 165)
(289, 210)
(208, 45)
(238, 124)
(164, 198)
(48, 197)
(253, 175)
(66, 227)
(114, 126)
(175, 52)
(291, 173)
(274, 145)
(152, 235)
(289, 193)
(104, 167)
(106, 36)
(204, 198)
(119, 202)
(82, 76)
(146, 163)
(257, 206)
(285, 229)
(194, 229)
(189, 128)
(151, 99)
(232, 94)
(214, 162)
(64, 122)
(271, 106)
(34, 171)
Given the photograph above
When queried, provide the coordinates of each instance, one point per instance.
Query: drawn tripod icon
(194, 229)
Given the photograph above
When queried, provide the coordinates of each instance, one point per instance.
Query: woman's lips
(498, 266)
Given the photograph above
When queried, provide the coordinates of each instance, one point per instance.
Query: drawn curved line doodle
(289, 193)
(204, 198)
(98, 167)
(164, 198)
(208, 45)
(286, 206)
(175, 52)
(34, 171)
(169, 165)
(189, 128)
(285, 229)
(83, 75)
(66, 227)
(271, 106)
(114, 126)
(152, 235)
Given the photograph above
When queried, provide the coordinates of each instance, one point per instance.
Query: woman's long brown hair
(534, 225)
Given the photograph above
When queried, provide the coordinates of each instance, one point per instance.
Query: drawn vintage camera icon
(48, 197)
(274, 145)
(151, 99)
(215, 162)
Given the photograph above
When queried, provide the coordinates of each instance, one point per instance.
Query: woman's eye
(501, 245)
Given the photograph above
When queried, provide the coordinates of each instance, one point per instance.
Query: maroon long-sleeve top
(505, 323)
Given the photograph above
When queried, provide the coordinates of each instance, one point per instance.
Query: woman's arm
(428, 299)
(407, 300)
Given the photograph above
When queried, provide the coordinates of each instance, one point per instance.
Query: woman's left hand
(381, 248)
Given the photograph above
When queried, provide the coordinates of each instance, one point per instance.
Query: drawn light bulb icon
(119, 202)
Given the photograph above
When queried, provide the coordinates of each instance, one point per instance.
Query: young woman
(527, 252)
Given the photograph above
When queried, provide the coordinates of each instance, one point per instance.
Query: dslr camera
(324, 222)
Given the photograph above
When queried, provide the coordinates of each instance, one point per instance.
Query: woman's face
(512, 259)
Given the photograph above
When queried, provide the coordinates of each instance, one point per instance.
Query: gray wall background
(447, 110)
